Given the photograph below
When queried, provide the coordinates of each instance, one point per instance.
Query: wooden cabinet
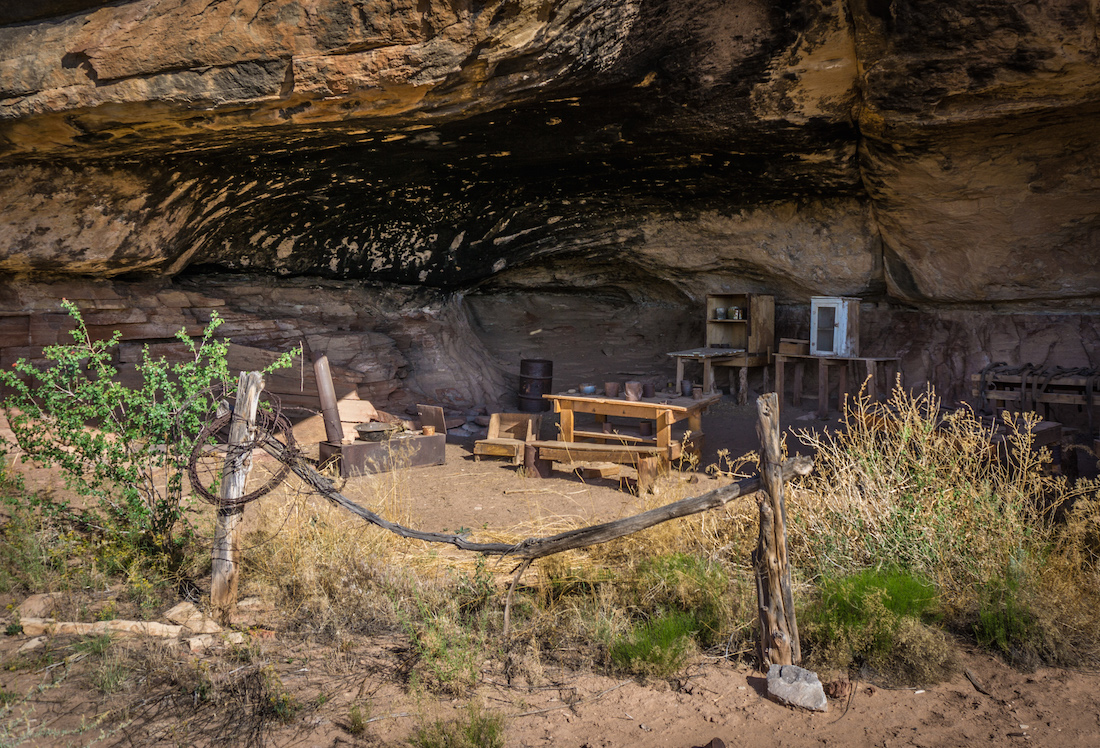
(744, 324)
(834, 326)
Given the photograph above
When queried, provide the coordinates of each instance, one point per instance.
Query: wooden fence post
(238, 463)
(779, 643)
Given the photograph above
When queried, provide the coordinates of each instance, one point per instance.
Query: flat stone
(795, 686)
(187, 615)
(38, 606)
(36, 643)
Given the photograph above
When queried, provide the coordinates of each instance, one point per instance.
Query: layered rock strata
(444, 178)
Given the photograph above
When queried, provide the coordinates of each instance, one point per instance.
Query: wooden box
(750, 331)
(834, 326)
(794, 347)
(362, 458)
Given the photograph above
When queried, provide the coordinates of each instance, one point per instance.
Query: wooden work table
(664, 410)
(873, 366)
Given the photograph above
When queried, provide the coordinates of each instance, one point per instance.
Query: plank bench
(649, 460)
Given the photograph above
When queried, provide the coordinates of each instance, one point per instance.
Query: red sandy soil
(714, 697)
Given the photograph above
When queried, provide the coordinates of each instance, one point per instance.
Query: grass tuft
(475, 729)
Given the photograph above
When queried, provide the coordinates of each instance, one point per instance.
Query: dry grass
(907, 485)
(904, 485)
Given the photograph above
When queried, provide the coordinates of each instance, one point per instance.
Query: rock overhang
(461, 145)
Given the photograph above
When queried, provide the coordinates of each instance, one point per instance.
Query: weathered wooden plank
(1015, 396)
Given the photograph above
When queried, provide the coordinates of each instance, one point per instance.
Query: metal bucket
(535, 376)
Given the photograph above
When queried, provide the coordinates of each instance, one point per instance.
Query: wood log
(238, 463)
(779, 643)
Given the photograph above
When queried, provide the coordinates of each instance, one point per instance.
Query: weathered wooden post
(238, 463)
(779, 643)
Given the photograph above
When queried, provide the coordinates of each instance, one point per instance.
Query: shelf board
(727, 320)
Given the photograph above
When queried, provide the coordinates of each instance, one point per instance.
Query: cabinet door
(825, 321)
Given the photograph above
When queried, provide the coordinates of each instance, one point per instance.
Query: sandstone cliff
(526, 163)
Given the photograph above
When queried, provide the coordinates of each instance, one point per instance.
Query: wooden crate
(364, 458)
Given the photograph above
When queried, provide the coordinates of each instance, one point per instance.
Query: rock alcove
(434, 190)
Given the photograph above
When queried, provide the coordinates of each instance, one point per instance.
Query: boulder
(796, 686)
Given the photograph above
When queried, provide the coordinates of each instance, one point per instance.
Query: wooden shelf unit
(754, 333)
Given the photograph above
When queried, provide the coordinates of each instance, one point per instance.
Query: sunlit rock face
(536, 164)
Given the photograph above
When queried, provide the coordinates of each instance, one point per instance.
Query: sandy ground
(715, 697)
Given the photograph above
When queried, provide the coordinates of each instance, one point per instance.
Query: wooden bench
(649, 460)
(508, 433)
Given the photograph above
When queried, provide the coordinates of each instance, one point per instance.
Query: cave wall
(430, 182)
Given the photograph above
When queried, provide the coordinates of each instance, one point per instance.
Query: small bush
(124, 448)
(357, 720)
(477, 729)
(449, 651)
(873, 619)
(1006, 624)
(658, 647)
(689, 584)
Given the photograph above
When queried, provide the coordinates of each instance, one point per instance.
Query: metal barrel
(535, 376)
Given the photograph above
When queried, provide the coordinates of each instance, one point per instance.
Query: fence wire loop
(270, 425)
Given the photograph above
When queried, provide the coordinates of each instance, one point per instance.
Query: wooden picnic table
(664, 410)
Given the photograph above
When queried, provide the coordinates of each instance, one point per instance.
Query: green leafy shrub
(125, 448)
(874, 619)
(1007, 624)
(658, 647)
(689, 584)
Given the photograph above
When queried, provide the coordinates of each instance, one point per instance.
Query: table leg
(796, 388)
(566, 422)
(780, 364)
(823, 389)
(679, 372)
(695, 423)
(708, 376)
(872, 384)
(743, 386)
(664, 429)
(842, 386)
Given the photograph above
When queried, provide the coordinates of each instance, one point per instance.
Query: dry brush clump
(1009, 548)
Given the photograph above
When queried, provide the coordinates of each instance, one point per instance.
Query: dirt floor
(986, 703)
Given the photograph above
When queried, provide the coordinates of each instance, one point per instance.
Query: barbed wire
(270, 424)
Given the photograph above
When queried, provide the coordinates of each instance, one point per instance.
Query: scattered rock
(838, 689)
(482, 420)
(795, 686)
(40, 605)
(714, 743)
(40, 626)
(36, 643)
(35, 626)
(202, 642)
(190, 617)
